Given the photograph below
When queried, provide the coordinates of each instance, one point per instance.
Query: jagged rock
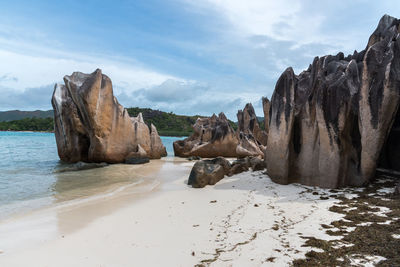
(252, 139)
(212, 137)
(215, 137)
(328, 125)
(266, 107)
(157, 150)
(248, 125)
(204, 173)
(91, 126)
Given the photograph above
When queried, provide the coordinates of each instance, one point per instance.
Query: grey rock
(205, 173)
(79, 166)
(334, 123)
(134, 160)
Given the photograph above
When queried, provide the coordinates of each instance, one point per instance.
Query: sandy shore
(245, 220)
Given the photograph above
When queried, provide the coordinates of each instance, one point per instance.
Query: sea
(32, 176)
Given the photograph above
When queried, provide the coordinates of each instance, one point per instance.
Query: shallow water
(29, 176)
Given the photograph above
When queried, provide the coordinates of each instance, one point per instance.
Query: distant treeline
(168, 124)
(28, 124)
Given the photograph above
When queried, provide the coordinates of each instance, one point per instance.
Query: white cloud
(35, 71)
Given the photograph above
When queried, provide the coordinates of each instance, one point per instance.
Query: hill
(28, 124)
(13, 115)
(167, 123)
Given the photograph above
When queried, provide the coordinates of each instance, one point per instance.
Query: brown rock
(212, 137)
(249, 126)
(252, 139)
(90, 124)
(204, 173)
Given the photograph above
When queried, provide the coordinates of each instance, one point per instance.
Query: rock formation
(329, 125)
(91, 126)
(252, 140)
(212, 137)
(215, 137)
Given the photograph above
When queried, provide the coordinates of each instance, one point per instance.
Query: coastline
(222, 224)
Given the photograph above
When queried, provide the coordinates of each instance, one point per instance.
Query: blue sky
(189, 57)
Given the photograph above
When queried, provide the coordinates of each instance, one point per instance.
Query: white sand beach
(244, 220)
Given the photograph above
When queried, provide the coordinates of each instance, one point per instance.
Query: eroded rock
(215, 137)
(91, 126)
(329, 124)
(212, 137)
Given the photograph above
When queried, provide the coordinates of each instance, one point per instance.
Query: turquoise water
(29, 176)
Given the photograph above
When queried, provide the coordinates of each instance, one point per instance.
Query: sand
(244, 220)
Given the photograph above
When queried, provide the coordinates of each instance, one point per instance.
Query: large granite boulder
(212, 137)
(91, 126)
(330, 125)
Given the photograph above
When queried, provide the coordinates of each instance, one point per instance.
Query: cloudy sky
(185, 56)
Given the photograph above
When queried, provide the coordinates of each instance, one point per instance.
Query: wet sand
(244, 220)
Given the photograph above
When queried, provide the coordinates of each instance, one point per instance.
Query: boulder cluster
(334, 123)
(91, 126)
(214, 137)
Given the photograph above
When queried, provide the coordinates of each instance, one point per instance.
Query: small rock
(193, 253)
(196, 225)
(213, 201)
(255, 205)
(204, 173)
(134, 160)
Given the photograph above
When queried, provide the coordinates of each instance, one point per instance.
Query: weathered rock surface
(212, 137)
(209, 172)
(91, 126)
(266, 107)
(215, 137)
(252, 140)
(330, 124)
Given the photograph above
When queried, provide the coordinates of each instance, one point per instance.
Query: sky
(185, 56)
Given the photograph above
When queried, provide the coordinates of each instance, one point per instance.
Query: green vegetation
(167, 123)
(28, 124)
(13, 115)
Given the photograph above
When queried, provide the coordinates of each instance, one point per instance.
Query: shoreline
(243, 220)
(182, 225)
